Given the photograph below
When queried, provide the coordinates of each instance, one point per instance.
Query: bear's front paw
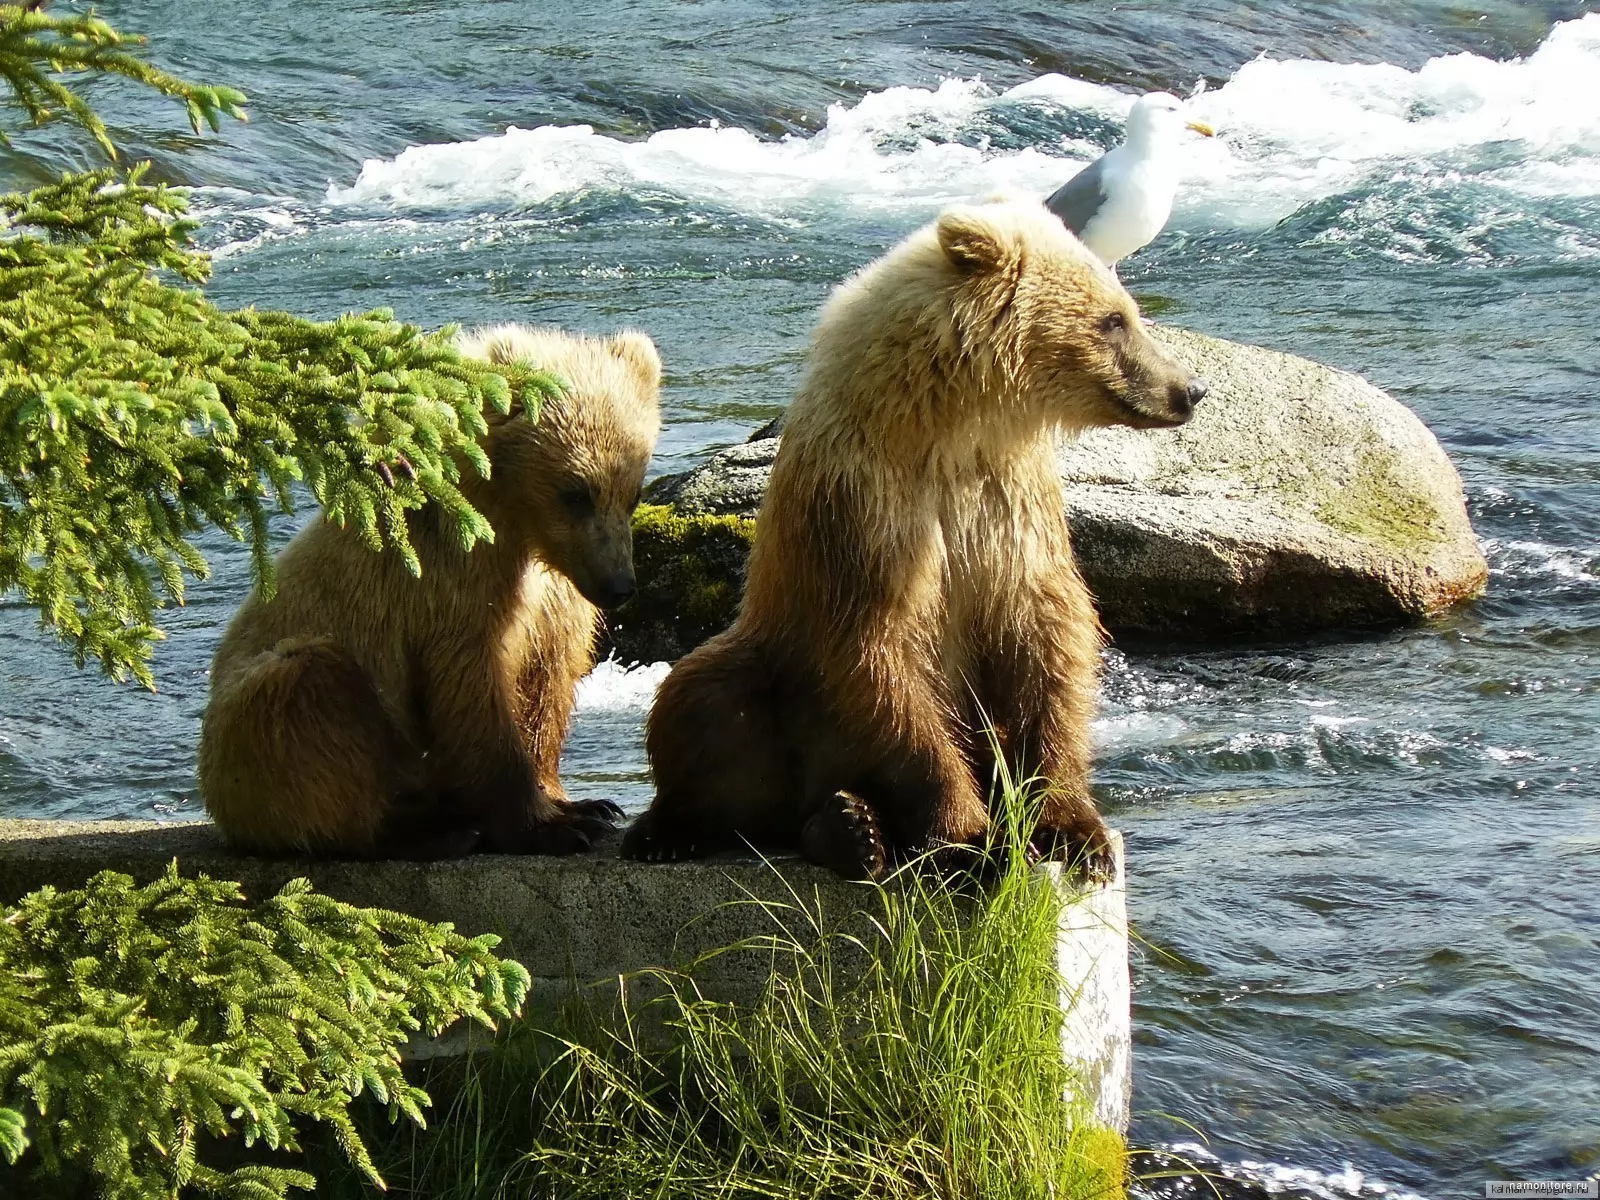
(595, 817)
(560, 836)
(647, 841)
(844, 837)
(1084, 846)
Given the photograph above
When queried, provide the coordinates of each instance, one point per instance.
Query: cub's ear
(971, 240)
(639, 352)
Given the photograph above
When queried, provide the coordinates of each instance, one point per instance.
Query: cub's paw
(647, 841)
(1084, 846)
(448, 843)
(609, 810)
(566, 834)
(844, 837)
(594, 817)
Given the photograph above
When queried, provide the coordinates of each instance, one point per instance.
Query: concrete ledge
(592, 917)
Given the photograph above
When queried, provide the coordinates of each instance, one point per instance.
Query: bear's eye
(579, 502)
(1114, 323)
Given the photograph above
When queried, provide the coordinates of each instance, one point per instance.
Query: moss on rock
(690, 573)
(1102, 1155)
(1379, 507)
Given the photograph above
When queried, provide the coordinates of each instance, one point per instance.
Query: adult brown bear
(365, 712)
(912, 584)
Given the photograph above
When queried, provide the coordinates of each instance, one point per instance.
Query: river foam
(1293, 132)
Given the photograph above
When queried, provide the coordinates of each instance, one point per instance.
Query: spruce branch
(134, 413)
(38, 48)
(140, 1025)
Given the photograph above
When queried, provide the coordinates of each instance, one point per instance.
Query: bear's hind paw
(565, 834)
(594, 817)
(449, 843)
(843, 836)
(1085, 849)
(609, 809)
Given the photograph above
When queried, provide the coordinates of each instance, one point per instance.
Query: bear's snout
(613, 589)
(1184, 397)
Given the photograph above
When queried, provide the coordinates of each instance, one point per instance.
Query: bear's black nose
(1183, 397)
(615, 588)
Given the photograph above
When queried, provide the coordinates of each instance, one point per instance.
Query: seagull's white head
(1158, 119)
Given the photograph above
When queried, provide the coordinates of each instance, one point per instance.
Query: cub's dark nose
(615, 588)
(1184, 398)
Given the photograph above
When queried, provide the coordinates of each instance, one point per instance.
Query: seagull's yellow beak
(1202, 128)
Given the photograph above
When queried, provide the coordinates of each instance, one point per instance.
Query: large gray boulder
(1299, 498)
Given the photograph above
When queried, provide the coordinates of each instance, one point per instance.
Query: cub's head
(568, 483)
(1061, 328)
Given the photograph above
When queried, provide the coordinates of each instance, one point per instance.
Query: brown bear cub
(365, 712)
(912, 585)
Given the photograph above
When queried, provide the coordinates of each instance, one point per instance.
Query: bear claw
(1085, 849)
(844, 837)
(609, 809)
(645, 842)
(594, 817)
(663, 854)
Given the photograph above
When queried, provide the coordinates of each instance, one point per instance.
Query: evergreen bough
(36, 47)
(134, 413)
(138, 1025)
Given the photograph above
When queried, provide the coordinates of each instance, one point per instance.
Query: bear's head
(567, 483)
(1052, 321)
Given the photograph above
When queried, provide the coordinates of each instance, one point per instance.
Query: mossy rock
(1102, 1154)
(690, 570)
(1299, 499)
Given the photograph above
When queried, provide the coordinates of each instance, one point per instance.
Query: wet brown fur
(912, 583)
(363, 711)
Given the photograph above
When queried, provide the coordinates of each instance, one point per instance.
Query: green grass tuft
(912, 1054)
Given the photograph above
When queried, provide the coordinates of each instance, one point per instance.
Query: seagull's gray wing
(1079, 198)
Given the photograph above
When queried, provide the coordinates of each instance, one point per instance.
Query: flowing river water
(1365, 867)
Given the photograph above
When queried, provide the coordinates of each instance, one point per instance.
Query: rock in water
(1299, 498)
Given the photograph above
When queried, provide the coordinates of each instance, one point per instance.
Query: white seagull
(1121, 201)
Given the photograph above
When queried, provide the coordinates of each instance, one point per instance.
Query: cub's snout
(1159, 392)
(1181, 399)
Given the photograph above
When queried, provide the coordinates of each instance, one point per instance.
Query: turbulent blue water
(1366, 868)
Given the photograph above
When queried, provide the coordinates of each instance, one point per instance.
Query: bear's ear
(971, 240)
(639, 352)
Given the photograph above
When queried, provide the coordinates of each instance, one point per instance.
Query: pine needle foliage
(140, 1025)
(134, 413)
(37, 48)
